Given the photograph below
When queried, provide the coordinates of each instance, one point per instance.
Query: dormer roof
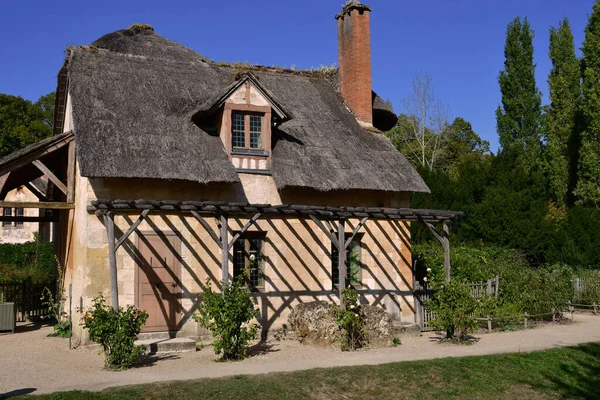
(216, 102)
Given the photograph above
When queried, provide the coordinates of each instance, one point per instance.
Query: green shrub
(33, 260)
(115, 330)
(455, 310)
(227, 315)
(62, 328)
(351, 321)
(535, 290)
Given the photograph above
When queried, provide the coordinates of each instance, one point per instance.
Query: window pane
(19, 213)
(239, 257)
(255, 141)
(237, 130)
(255, 264)
(255, 123)
(7, 212)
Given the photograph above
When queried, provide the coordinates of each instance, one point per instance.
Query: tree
(519, 116)
(23, 123)
(587, 190)
(461, 142)
(419, 133)
(562, 114)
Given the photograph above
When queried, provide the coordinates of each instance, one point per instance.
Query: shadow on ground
(580, 376)
(18, 392)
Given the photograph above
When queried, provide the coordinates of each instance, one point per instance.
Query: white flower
(428, 270)
(256, 307)
(252, 257)
(425, 279)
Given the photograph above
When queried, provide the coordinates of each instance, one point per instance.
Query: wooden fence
(27, 296)
(586, 289)
(422, 293)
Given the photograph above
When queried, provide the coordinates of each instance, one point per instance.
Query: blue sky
(459, 43)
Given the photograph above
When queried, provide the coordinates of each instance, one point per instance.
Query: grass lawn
(572, 372)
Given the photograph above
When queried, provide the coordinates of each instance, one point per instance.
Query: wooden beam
(330, 235)
(71, 173)
(53, 218)
(35, 204)
(341, 261)
(244, 229)
(40, 165)
(446, 246)
(132, 228)
(207, 227)
(3, 180)
(355, 231)
(109, 223)
(224, 250)
(35, 155)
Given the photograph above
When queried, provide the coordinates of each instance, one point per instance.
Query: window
(246, 130)
(19, 213)
(353, 262)
(238, 130)
(7, 212)
(248, 256)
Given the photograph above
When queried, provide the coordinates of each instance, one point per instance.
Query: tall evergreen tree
(519, 117)
(561, 128)
(587, 190)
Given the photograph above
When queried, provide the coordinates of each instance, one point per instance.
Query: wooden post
(341, 261)
(489, 287)
(224, 250)
(595, 307)
(525, 321)
(109, 223)
(497, 287)
(489, 321)
(446, 245)
(553, 315)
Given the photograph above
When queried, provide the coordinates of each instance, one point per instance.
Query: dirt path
(32, 362)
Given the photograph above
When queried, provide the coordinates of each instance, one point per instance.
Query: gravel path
(32, 362)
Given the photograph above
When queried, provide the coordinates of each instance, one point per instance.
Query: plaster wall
(297, 254)
(10, 232)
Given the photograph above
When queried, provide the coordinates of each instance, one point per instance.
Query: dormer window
(247, 130)
(244, 113)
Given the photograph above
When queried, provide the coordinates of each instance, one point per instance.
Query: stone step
(406, 329)
(156, 335)
(168, 345)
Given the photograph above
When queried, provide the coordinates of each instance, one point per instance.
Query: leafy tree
(23, 123)
(461, 142)
(587, 189)
(562, 114)
(519, 116)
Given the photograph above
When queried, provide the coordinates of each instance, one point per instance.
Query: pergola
(331, 220)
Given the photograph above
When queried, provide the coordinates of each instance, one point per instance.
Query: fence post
(489, 321)
(553, 315)
(489, 287)
(595, 307)
(497, 288)
(525, 320)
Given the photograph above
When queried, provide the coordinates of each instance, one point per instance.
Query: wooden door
(159, 281)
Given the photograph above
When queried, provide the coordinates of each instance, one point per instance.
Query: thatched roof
(134, 94)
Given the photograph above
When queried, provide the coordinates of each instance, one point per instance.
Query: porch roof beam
(243, 230)
(33, 204)
(132, 228)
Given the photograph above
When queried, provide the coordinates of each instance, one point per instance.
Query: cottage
(172, 170)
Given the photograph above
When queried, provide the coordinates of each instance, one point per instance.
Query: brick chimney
(354, 57)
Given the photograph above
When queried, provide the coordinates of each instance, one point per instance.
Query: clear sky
(459, 43)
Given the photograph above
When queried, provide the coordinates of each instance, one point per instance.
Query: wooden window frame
(247, 131)
(334, 265)
(247, 237)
